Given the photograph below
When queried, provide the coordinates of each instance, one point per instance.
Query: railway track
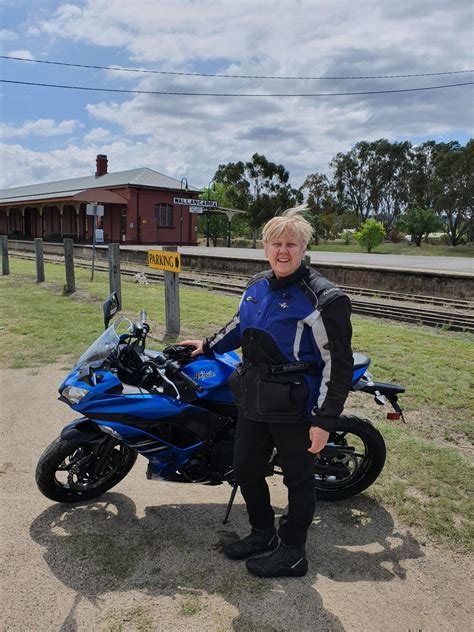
(461, 320)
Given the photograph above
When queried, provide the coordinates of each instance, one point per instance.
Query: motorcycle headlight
(74, 394)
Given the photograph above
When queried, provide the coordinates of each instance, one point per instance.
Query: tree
(454, 189)
(419, 222)
(370, 234)
(258, 186)
(214, 222)
(322, 204)
(355, 179)
(390, 193)
(371, 179)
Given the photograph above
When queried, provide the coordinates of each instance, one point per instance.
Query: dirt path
(147, 556)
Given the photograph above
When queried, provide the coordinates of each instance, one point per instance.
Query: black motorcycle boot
(258, 541)
(286, 561)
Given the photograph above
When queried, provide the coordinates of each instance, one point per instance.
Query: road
(404, 262)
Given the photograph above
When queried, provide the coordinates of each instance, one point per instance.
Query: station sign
(192, 202)
(164, 260)
(95, 209)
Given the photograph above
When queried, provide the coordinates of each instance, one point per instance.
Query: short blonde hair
(290, 221)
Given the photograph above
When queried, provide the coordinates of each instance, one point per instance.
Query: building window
(164, 214)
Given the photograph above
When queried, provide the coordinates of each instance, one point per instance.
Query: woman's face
(284, 253)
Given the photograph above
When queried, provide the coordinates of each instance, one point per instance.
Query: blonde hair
(290, 221)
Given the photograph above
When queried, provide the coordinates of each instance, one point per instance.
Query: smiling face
(284, 253)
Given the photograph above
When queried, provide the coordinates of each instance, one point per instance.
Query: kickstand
(235, 487)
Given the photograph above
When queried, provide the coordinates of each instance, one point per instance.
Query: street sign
(163, 260)
(196, 209)
(95, 209)
(99, 235)
(192, 202)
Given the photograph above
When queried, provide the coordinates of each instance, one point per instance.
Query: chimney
(101, 165)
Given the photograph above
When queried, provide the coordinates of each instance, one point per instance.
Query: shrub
(370, 234)
(346, 237)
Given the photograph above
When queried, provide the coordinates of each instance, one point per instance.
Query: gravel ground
(147, 556)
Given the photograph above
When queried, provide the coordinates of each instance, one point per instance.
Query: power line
(228, 94)
(208, 74)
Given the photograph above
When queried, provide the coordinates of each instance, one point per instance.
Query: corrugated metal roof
(67, 188)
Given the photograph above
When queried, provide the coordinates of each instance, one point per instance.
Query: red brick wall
(141, 215)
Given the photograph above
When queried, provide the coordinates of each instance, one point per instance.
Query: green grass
(428, 485)
(190, 606)
(399, 249)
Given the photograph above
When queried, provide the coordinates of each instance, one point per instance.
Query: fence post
(307, 260)
(5, 262)
(69, 261)
(114, 270)
(173, 324)
(39, 260)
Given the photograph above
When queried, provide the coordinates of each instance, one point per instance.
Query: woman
(294, 329)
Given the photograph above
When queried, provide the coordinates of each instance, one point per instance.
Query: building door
(28, 223)
(123, 224)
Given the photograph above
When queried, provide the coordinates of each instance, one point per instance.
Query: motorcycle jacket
(295, 335)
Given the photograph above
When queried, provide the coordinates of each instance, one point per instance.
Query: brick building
(139, 208)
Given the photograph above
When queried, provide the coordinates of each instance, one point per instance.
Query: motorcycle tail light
(393, 416)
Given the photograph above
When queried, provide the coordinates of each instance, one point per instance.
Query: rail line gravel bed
(452, 314)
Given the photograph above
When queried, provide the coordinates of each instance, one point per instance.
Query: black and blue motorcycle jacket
(295, 335)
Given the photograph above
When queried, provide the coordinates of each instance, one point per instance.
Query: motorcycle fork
(110, 444)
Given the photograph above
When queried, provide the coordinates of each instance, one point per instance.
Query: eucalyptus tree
(260, 187)
(454, 189)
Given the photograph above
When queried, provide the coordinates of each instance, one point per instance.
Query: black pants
(254, 444)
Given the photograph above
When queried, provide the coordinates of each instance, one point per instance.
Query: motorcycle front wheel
(68, 471)
(352, 460)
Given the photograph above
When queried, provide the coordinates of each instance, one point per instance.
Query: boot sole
(284, 572)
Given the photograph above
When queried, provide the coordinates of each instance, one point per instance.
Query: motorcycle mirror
(111, 306)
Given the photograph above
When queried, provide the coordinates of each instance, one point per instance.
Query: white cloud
(189, 136)
(40, 127)
(26, 54)
(7, 35)
(97, 135)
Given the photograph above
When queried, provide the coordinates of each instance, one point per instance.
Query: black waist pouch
(281, 397)
(266, 397)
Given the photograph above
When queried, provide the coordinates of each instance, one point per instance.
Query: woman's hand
(195, 343)
(318, 438)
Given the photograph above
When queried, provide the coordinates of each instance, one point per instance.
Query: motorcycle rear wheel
(64, 472)
(355, 456)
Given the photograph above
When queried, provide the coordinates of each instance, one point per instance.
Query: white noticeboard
(196, 209)
(99, 235)
(95, 209)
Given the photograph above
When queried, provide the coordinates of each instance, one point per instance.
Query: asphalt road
(404, 262)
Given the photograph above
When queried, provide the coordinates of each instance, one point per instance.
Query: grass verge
(428, 485)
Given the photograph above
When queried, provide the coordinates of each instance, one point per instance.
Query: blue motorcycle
(179, 413)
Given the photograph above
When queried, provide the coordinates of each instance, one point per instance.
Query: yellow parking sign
(163, 260)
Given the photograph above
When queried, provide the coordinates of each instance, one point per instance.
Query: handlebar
(175, 369)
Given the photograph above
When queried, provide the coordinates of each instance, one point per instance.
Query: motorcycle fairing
(164, 457)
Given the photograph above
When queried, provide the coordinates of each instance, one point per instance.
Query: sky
(50, 134)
